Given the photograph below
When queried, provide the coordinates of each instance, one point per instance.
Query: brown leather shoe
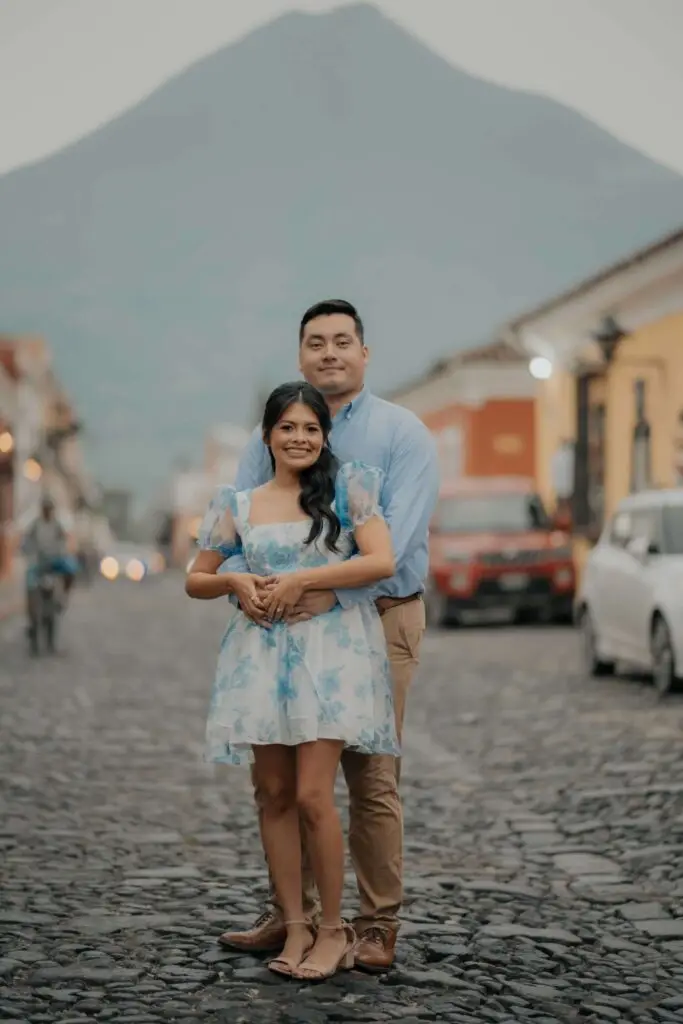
(375, 950)
(268, 935)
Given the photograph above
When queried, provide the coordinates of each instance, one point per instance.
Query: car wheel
(663, 658)
(564, 615)
(593, 663)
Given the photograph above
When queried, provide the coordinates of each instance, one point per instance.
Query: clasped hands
(269, 599)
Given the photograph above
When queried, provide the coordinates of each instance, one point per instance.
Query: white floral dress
(327, 678)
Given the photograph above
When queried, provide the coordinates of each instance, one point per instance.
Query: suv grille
(513, 558)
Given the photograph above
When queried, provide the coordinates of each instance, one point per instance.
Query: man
(45, 547)
(333, 357)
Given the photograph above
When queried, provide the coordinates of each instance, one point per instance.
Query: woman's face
(297, 439)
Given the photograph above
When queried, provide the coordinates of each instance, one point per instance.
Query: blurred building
(191, 493)
(613, 398)
(192, 489)
(479, 404)
(8, 390)
(40, 447)
(223, 448)
(116, 505)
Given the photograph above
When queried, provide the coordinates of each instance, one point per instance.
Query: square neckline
(247, 494)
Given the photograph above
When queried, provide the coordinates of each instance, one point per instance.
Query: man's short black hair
(328, 307)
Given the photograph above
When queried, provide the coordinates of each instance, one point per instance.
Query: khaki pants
(376, 820)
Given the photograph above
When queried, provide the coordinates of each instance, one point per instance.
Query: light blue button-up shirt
(393, 439)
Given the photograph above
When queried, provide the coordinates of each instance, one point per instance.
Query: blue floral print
(327, 678)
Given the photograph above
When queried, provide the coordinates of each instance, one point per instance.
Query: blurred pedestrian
(46, 549)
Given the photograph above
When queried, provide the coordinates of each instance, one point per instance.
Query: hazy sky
(69, 65)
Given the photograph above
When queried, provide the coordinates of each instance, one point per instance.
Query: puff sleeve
(218, 531)
(359, 489)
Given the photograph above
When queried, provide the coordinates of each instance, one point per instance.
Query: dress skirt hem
(225, 746)
(326, 678)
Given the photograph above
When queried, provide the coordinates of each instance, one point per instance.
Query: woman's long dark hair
(318, 480)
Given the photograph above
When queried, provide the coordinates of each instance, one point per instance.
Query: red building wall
(497, 438)
(6, 509)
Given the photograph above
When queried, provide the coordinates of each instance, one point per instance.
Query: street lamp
(608, 336)
(540, 368)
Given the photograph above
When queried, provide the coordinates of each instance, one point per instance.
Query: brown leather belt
(384, 604)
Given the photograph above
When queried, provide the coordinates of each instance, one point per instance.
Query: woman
(292, 697)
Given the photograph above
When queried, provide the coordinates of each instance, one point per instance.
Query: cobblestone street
(544, 835)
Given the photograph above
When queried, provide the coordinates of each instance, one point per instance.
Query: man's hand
(312, 603)
(251, 593)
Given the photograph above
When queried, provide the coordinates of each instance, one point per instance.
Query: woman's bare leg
(317, 765)
(275, 770)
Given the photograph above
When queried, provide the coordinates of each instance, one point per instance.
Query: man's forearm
(357, 595)
(235, 563)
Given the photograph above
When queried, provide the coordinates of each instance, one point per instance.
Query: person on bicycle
(45, 546)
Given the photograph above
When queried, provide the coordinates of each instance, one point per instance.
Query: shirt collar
(348, 410)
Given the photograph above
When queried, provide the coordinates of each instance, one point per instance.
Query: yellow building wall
(555, 421)
(654, 354)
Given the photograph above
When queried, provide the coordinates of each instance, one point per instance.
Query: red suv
(494, 549)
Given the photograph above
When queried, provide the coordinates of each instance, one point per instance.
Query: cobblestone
(544, 835)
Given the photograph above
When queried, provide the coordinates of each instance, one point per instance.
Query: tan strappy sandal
(307, 969)
(284, 965)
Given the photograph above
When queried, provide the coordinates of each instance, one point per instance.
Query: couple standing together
(322, 543)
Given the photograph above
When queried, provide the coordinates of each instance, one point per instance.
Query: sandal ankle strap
(343, 926)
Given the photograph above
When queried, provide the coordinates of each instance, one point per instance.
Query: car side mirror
(639, 548)
(562, 521)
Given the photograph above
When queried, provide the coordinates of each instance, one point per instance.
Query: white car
(630, 603)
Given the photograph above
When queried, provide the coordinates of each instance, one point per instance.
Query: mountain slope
(168, 255)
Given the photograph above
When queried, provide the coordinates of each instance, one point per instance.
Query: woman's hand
(251, 596)
(282, 595)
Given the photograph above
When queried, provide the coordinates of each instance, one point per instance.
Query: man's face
(331, 356)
